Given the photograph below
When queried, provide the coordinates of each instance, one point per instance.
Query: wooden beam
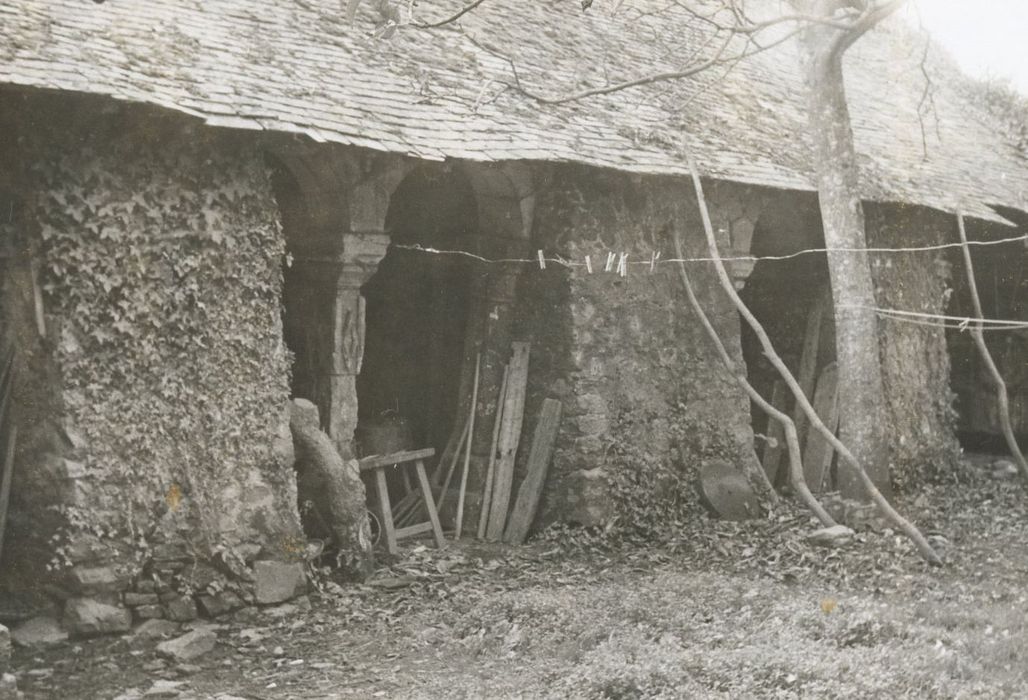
(487, 491)
(817, 456)
(374, 461)
(538, 462)
(510, 435)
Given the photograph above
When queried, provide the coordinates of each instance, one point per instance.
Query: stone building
(209, 207)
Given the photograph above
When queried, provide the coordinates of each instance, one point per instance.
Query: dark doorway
(417, 308)
(785, 296)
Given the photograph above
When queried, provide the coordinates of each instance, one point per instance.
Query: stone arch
(342, 198)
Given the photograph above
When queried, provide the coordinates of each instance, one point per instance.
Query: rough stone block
(591, 403)
(148, 612)
(9, 687)
(278, 581)
(282, 446)
(91, 580)
(189, 646)
(163, 688)
(85, 617)
(834, 536)
(587, 498)
(219, 603)
(151, 629)
(170, 552)
(135, 600)
(181, 609)
(592, 424)
(40, 631)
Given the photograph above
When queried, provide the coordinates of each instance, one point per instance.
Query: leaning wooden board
(817, 457)
(538, 462)
(510, 434)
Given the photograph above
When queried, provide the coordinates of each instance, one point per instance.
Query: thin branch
(791, 436)
(449, 20)
(904, 525)
(983, 350)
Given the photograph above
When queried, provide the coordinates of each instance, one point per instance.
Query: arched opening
(307, 293)
(792, 300)
(417, 308)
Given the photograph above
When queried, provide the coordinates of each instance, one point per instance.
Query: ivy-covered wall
(646, 399)
(158, 251)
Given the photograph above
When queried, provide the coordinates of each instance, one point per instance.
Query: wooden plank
(387, 511)
(459, 524)
(453, 465)
(412, 530)
(376, 461)
(808, 360)
(487, 491)
(433, 514)
(775, 447)
(510, 435)
(538, 462)
(817, 456)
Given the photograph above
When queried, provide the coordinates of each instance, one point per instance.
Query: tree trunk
(861, 397)
(335, 487)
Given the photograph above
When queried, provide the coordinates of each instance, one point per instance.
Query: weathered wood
(433, 514)
(817, 456)
(374, 461)
(413, 530)
(5, 483)
(775, 445)
(382, 489)
(453, 465)
(538, 462)
(487, 492)
(807, 374)
(459, 524)
(510, 435)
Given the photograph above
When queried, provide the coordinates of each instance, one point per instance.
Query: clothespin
(610, 262)
(542, 260)
(653, 260)
(623, 265)
(588, 264)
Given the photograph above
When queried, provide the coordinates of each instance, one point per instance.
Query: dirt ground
(716, 610)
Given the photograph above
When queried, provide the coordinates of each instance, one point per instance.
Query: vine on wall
(162, 277)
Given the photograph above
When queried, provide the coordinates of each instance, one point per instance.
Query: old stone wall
(915, 361)
(646, 400)
(153, 405)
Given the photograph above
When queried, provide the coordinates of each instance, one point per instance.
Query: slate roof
(299, 66)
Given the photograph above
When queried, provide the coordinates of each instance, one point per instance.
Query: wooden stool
(378, 464)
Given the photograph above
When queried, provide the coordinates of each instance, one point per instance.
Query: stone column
(358, 262)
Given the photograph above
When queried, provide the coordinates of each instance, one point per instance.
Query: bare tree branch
(449, 20)
(1003, 402)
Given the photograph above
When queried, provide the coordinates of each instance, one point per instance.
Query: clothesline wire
(747, 258)
(613, 260)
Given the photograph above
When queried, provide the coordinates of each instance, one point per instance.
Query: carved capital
(361, 254)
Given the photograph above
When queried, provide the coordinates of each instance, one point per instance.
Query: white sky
(988, 38)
